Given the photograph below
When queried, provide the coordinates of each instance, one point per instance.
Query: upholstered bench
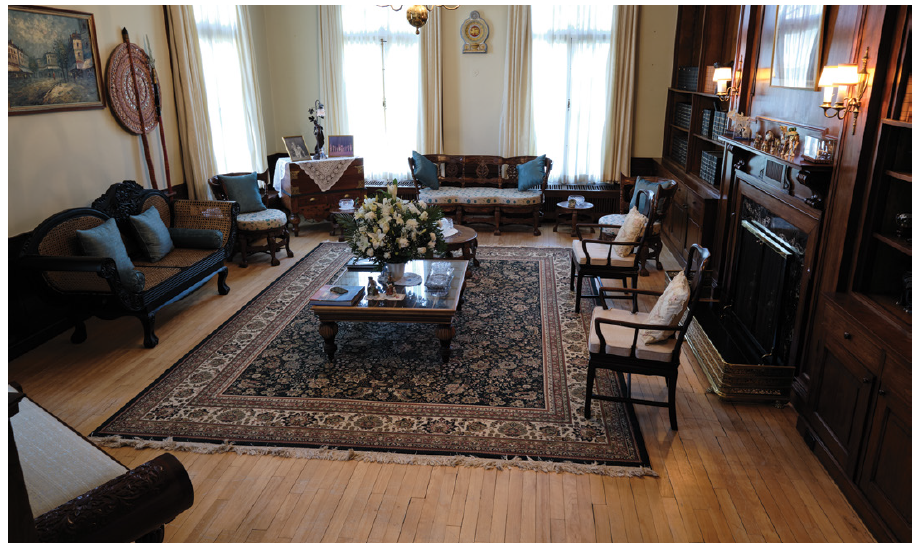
(62, 488)
(483, 189)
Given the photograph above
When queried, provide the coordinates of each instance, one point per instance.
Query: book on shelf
(325, 296)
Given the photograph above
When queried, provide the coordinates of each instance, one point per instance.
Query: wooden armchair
(664, 198)
(600, 258)
(615, 342)
(269, 225)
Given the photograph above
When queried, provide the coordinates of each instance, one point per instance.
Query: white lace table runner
(325, 172)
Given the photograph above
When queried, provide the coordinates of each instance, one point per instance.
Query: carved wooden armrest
(123, 509)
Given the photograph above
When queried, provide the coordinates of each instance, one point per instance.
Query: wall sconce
(418, 15)
(854, 79)
(722, 75)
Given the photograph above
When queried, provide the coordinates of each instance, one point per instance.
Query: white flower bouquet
(387, 229)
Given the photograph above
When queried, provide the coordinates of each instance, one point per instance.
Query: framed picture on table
(340, 146)
(296, 148)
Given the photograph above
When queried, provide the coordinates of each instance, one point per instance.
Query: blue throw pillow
(531, 173)
(191, 238)
(104, 241)
(243, 189)
(654, 187)
(154, 235)
(425, 171)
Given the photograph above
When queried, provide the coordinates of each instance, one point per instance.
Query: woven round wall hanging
(122, 93)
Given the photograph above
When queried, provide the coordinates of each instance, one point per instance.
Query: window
(570, 49)
(231, 108)
(381, 71)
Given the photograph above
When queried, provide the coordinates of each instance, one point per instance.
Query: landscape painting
(53, 61)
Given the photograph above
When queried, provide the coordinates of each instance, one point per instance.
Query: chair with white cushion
(665, 194)
(256, 221)
(621, 258)
(646, 343)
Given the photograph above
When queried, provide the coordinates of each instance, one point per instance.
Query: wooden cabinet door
(678, 219)
(886, 474)
(840, 404)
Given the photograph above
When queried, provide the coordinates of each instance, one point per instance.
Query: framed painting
(340, 146)
(296, 148)
(797, 46)
(53, 61)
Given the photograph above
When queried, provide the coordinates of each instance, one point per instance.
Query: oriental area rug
(512, 392)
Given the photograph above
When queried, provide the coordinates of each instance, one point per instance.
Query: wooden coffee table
(466, 240)
(418, 306)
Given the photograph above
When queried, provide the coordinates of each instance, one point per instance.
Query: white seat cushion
(619, 340)
(261, 220)
(668, 309)
(57, 464)
(448, 195)
(598, 255)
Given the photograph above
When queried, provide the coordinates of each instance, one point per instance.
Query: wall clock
(474, 33)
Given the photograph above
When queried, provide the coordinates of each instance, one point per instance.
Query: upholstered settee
(62, 488)
(483, 189)
(134, 282)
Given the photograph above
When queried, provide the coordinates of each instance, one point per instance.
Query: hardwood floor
(731, 472)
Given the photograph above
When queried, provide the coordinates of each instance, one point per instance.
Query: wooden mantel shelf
(798, 163)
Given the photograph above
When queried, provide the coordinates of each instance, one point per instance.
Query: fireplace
(747, 342)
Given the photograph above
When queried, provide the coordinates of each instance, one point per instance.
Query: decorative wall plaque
(474, 32)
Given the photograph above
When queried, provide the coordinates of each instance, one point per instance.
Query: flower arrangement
(387, 229)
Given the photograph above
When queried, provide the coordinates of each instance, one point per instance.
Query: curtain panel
(617, 140)
(430, 126)
(516, 136)
(197, 157)
(331, 66)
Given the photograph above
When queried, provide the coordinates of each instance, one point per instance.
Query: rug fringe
(379, 457)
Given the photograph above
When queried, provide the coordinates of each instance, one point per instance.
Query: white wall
(655, 49)
(292, 51)
(473, 83)
(59, 160)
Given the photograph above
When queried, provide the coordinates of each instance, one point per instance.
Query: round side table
(334, 221)
(466, 240)
(573, 215)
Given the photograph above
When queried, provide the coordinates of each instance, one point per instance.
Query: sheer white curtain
(382, 111)
(233, 100)
(197, 155)
(569, 91)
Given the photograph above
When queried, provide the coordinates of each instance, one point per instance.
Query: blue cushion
(425, 171)
(531, 173)
(191, 238)
(153, 234)
(104, 241)
(654, 187)
(243, 189)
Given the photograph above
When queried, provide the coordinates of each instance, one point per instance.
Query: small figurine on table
(792, 144)
(371, 288)
(317, 114)
(390, 288)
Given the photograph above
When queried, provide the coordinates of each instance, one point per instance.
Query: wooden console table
(301, 194)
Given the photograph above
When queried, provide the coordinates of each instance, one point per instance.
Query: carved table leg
(445, 333)
(474, 252)
(328, 330)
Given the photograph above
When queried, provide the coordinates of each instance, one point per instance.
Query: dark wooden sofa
(62, 488)
(87, 286)
(491, 197)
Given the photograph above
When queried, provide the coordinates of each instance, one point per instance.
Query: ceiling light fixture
(418, 15)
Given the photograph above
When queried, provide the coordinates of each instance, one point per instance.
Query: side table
(573, 215)
(334, 221)
(465, 239)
